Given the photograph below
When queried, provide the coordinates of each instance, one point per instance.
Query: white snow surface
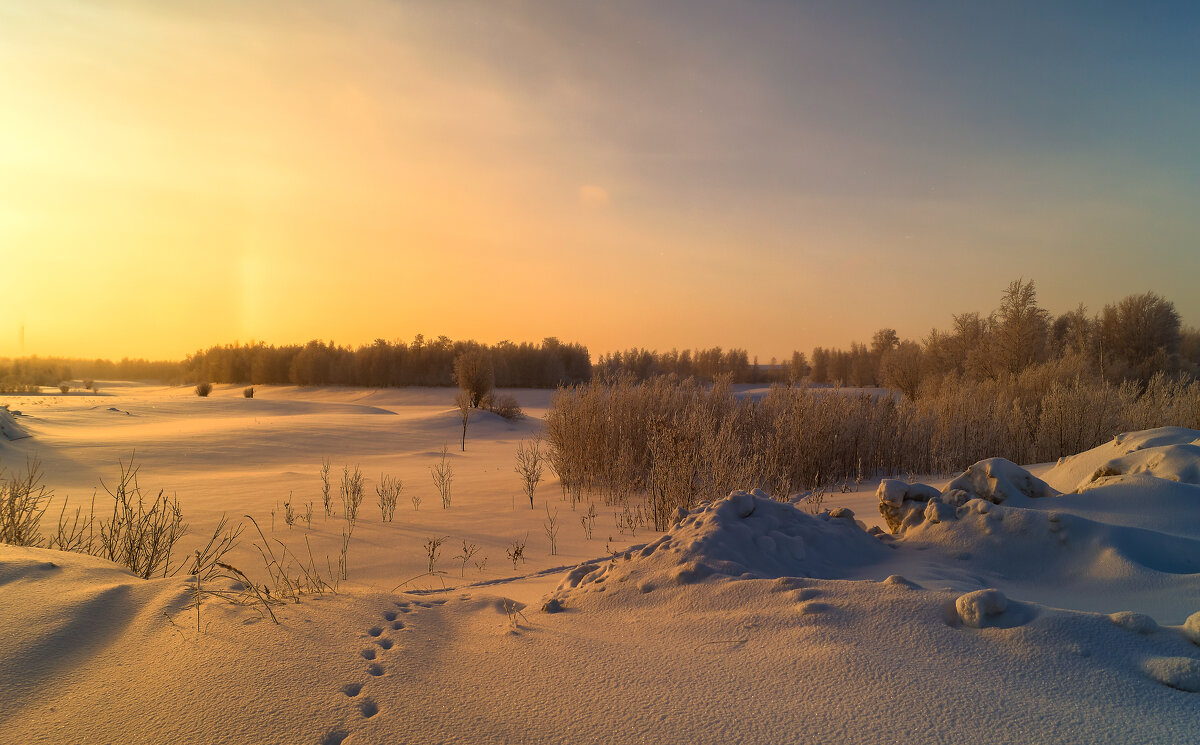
(1002, 611)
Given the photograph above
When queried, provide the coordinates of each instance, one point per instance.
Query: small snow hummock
(976, 608)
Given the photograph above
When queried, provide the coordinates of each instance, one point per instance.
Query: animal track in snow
(375, 630)
(335, 737)
(385, 643)
(397, 625)
(368, 708)
(375, 669)
(390, 615)
(368, 653)
(352, 689)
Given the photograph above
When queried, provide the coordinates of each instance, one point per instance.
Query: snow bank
(9, 427)
(1170, 453)
(746, 536)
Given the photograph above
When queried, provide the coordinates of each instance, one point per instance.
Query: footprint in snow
(385, 643)
(375, 630)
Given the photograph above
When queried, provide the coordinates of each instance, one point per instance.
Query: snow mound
(989, 608)
(1191, 627)
(994, 480)
(1138, 623)
(1026, 542)
(745, 536)
(1170, 453)
(1177, 672)
(9, 427)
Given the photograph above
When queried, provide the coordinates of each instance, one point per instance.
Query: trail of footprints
(373, 655)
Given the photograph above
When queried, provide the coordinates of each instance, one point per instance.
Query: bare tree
(900, 368)
(463, 401)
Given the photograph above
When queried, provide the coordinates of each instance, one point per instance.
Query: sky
(759, 174)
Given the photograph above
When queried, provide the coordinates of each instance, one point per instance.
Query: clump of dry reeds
(681, 442)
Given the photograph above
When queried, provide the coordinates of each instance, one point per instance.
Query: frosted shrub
(23, 499)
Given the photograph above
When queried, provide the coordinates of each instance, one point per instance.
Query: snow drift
(745, 535)
(9, 427)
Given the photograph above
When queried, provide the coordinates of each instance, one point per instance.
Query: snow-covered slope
(1003, 609)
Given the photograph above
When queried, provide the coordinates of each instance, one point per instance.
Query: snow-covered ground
(1048, 605)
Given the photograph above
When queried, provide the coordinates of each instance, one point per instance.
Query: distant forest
(1131, 339)
(382, 363)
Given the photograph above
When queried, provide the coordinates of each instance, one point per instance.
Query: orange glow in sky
(177, 175)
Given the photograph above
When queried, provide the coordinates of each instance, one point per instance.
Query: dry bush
(680, 443)
(551, 528)
(442, 473)
(516, 551)
(468, 552)
(529, 466)
(23, 501)
(325, 495)
(64, 388)
(433, 549)
(248, 392)
(141, 533)
(388, 489)
(504, 406)
(351, 491)
(203, 389)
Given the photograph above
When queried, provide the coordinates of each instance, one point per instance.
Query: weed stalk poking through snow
(388, 489)
(443, 473)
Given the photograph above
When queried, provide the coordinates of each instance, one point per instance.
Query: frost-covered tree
(884, 340)
(1022, 328)
(474, 374)
(1141, 333)
(900, 368)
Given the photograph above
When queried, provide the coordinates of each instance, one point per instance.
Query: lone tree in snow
(475, 376)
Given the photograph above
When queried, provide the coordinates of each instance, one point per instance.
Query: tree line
(1131, 339)
(28, 374)
(420, 362)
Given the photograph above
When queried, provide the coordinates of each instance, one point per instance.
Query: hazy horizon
(768, 176)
